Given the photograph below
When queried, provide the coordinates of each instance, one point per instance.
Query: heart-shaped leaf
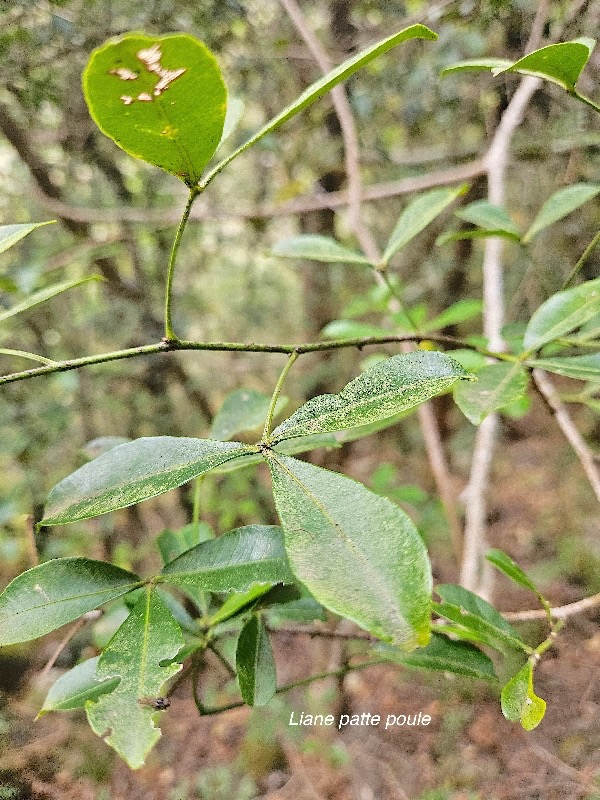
(160, 98)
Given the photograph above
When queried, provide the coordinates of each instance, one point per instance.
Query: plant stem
(270, 413)
(399, 299)
(582, 259)
(170, 334)
(586, 100)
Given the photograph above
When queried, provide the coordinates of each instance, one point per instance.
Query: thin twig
(323, 633)
(567, 426)
(88, 617)
(560, 612)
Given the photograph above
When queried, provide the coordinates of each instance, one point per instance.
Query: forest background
(116, 218)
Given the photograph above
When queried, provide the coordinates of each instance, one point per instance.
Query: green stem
(586, 100)
(582, 259)
(270, 413)
(201, 596)
(170, 334)
(169, 346)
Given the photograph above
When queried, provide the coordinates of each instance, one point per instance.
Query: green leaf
(50, 595)
(583, 368)
(242, 410)
(520, 703)
(232, 562)
(123, 717)
(351, 329)
(497, 386)
(562, 313)
(173, 543)
(159, 98)
(357, 553)
(393, 385)
(475, 614)
(313, 247)
(461, 311)
(560, 204)
(132, 472)
(75, 687)
(446, 655)
(324, 85)
(490, 217)
(45, 294)
(476, 65)
(255, 664)
(417, 215)
(512, 570)
(11, 234)
(240, 602)
(560, 63)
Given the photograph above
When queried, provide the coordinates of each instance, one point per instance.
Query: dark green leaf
(45, 294)
(234, 561)
(471, 602)
(242, 410)
(520, 703)
(313, 247)
(160, 98)
(393, 385)
(132, 472)
(75, 687)
(148, 637)
(562, 313)
(357, 553)
(417, 215)
(584, 368)
(446, 655)
(560, 63)
(513, 571)
(324, 85)
(50, 595)
(562, 203)
(11, 234)
(497, 386)
(255, 663)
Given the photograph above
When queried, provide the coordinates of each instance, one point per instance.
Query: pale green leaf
(583, 368)
(519, 701)
(562, 313)
(461, 311)
(446, 655)
(357, 553)
(233, 115)
(240, 602)
(242, 410)
(314, 247)
(125, 717)
(132, 472)
(391, 386)
(255, 664)
(11, 234)
(45, 294)
(560, 63)
(351, 329)
(50, 595)
(324, 85)
(560, 204)
(491, 217)
(497, 385)
(417, 215)
(477, 65)
(160, 98)
(75, 687)
(232, 562)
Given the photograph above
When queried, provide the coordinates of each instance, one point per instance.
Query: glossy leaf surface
(314, 247)
(232, 562)
(148, 636)
(56, 592)
(562, 313)
(132, 472)
(497, 386)
(255, 664)
(160, 98)
(357, 553)
(391, 386)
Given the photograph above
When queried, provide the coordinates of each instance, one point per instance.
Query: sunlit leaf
(313, 247)
(357, 553)
(560, 63)
(391, 386)
(519, 701)
(50, 595)
(125, 717)
(476, 65)
(497, 386)
(560, 204)
(562, 313)
(255, 664)
(11, 234)
(132, 472)
(160, 98)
